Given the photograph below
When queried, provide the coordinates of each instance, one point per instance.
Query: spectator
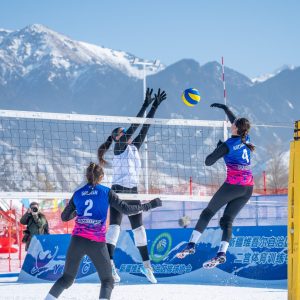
(36, 223)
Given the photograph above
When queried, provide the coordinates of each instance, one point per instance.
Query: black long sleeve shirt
(218, 153)
(222, 149)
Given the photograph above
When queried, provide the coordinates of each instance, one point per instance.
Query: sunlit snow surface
(15, 291)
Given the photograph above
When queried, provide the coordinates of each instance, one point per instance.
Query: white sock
(195, 237)
(147, 264)
(223, 246)
(50, 297)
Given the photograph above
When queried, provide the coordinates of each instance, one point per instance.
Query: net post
(294, 217)
(225, 130)
(9, 236)
(20, 239)
(265, 182)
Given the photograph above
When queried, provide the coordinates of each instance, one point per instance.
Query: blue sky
(254, 36)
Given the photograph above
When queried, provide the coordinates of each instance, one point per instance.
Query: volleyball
(190, 97)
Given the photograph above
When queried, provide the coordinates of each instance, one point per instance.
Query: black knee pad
(66, 281)
(207, 214)
(226, 222)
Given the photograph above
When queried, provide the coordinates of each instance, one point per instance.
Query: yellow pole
(294, 217)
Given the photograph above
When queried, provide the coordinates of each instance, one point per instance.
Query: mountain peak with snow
(37, 28)
(36, 47)
(267, 76)
(43, 70)
(5, 31)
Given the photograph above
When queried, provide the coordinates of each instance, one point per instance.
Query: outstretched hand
(219, 105)
(152, 204)
(159, 97)
(148, 97)
(155, 203)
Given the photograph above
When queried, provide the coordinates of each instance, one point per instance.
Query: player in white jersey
(126, 167)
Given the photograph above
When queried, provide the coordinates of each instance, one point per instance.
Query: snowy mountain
(43, 70)
(4, 33)
(36, 47)
(267, 76)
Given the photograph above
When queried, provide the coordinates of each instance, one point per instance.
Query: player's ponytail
(102, 150)
(243, 127)
(93, 174)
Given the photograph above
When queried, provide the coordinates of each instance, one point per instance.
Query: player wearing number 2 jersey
(89, 205)
(235, 191)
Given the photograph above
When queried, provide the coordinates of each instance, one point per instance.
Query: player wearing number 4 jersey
(235, 191)
(89, 205)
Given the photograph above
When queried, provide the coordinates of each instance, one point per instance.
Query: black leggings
(97, 252)
(136, 221)
(235, 196)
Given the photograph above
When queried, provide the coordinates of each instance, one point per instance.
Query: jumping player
(89, 204)
(126, 167)
(235, 191)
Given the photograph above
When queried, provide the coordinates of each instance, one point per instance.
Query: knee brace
(140, 237)
(112, 234)
(226, 222)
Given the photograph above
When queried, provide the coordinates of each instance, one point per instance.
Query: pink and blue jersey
(91, 208)
(238, 162)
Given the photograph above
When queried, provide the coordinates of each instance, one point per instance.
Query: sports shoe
(217, 260)
(148, 272)
(115, 275)
(188, 250)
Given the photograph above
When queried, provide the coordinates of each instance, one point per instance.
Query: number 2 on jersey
(89, 204)
(245, 155)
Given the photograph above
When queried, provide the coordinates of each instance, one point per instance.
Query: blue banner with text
(256, 256)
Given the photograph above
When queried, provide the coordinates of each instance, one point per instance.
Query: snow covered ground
(16, 291)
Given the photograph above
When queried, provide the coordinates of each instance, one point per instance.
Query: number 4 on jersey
(245, 155)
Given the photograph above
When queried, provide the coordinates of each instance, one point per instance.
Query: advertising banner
(256, 256)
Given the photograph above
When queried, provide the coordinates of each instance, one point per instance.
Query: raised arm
(228, 112)
(69, 212)
(159, 97)
(133, 127)
(128, 209)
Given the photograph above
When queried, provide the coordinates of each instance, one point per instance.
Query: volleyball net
(46, 154)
